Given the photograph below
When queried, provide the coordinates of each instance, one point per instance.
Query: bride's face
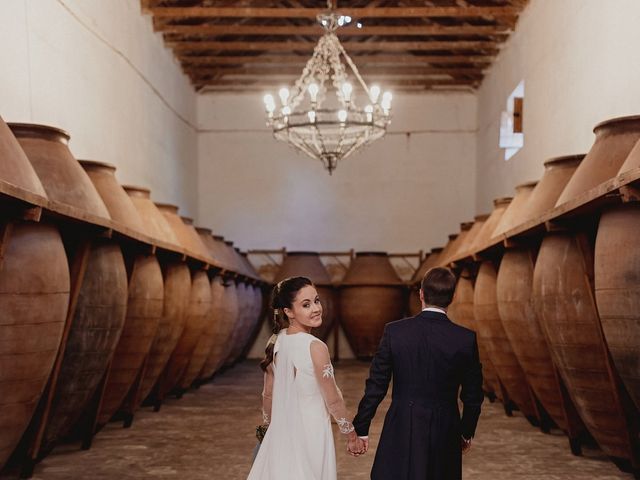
(306, 308)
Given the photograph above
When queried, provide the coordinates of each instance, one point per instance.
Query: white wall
(405, 192)
(579, 61)
(96, 69)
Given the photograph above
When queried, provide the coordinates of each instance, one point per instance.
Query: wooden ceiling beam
(302, 60)
(265, 84)
(356, 13)
(365, 71)
(429, 46)
(313, 30)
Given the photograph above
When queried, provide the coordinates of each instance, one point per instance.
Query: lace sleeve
(330, 391)
(266, 395)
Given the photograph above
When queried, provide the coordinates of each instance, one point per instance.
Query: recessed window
(511, 134)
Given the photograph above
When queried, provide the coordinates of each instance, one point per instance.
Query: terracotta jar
(118, 203)
(183, 234)
(617, 287)
(463, 247)
(452, 249)
(177, 285)
(95, 331)
(461, 312)
(154, 222)
(34, 296)
(512, 216)
(371, 295)
(498, 347)
(194, 241)
(197, 316)
(557, 172)
(485, 234)
(564, 301)
(63, 178)
(308, 264)
(614, 140)
(515, 305)
(446, 251)
(430, 261)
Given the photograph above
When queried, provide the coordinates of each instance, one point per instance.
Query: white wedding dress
(299, 395)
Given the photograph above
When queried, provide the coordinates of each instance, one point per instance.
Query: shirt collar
(434, 309)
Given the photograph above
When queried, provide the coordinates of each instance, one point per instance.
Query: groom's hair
(438, 286)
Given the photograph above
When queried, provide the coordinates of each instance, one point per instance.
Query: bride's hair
(282, 297)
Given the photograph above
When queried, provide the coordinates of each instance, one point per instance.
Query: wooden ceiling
(227, 45)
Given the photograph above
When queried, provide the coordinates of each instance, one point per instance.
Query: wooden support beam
(367, 71)
(211, 60)
(288, 46)
(311, 13)
(316, 30)
(267, 84)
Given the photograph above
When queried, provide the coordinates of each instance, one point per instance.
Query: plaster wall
(405, 192)
(577, 59)
(96, 69)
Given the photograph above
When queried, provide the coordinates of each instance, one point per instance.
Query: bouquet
(261, 430)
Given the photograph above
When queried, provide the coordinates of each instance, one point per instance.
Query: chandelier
(327, 123)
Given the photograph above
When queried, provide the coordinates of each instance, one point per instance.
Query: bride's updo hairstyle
(282, 297)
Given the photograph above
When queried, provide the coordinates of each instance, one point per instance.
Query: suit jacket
(429, 358)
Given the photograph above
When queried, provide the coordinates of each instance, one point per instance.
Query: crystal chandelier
(327, 124)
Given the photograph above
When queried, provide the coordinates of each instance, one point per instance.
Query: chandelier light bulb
(374, 93)
(313, 91)
(284, 95)
(312, 116)
(269, 103)
(347, 88)
(386, 102)
(347, 19)
(286, 110)
(341, 21)
(369, 111)
(342, 115)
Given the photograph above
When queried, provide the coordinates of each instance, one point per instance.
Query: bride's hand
(356, 446)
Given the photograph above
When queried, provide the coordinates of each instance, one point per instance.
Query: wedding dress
(297, 401)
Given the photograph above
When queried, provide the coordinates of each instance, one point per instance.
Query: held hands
(357, 446)
(465, 445)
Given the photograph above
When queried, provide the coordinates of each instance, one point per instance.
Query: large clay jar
(308, 264)
(197, 316)
(183, 234)
(462, 248)
(492, 334)
(192, 240)
(144, 310)
(557, 172)
(614, 140)
(461, 312)
(371, 295)
(177, 285)
(564, 300)
(224, 306)
(514, 292)
(430, 261)
(485, 234)
(617, 285)
(102, 297)
(63, 178)
(118, 203)
(446, 251)
(512, 216)
(34, 295)
(154, 222)
(95, 331)
(454, 247)
(144, 305)
(253, 315)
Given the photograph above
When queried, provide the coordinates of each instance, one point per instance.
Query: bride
(299, 393)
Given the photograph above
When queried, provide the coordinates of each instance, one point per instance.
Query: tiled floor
(209, 434)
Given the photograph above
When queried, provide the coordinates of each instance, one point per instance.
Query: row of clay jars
(371, 295)
(34, 296)
(430, 261)
(514, 289)
(96, 264)
(563, 296)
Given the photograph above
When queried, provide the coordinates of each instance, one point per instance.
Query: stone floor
(209, 434)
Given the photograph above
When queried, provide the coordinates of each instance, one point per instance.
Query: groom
(429, 358)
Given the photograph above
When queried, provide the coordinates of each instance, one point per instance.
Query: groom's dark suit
(429, 358)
